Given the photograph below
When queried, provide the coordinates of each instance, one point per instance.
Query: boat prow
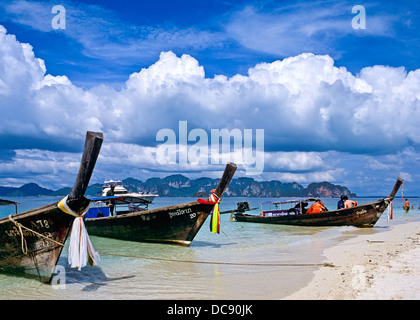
(32, 241)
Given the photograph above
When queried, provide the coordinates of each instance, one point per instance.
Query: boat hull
(176, 224)
(32, 241)
(363, 216)
(42, 254)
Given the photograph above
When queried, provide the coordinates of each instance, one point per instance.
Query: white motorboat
(120, 202)
(120, 190)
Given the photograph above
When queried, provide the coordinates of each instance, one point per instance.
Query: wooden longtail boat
(32, 241)
(365, 215)
(177, 224)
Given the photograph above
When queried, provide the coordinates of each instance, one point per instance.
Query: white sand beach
(381, 265)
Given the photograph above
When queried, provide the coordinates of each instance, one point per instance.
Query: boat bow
(32, 241)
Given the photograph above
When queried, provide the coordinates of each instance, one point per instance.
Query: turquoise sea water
(231, 264)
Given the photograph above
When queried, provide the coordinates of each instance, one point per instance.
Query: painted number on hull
(14, 232)
(179, 212)
(43, 223)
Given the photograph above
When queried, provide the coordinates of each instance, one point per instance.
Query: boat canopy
(112, 182)
(4, 202)
(122, 199)
(292, 200)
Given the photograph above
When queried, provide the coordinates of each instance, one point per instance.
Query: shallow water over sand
(244, 261)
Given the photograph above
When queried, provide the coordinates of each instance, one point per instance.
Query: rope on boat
(25, 251)
(326, 264)
(23, 240)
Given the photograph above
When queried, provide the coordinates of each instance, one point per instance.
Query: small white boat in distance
(120, 190)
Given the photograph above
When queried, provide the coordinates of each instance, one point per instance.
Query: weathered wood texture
(173, 224)
(177, 224)
(32, 241)
(39, 255)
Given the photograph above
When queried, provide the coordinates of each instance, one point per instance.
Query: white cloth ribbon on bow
(81, 250)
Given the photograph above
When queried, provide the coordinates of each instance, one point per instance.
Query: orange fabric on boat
(315, 208)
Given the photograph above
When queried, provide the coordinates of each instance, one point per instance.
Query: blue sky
(111, 39)
(336, 103)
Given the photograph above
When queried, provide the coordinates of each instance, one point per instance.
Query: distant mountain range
(180, 186)
(30, 189)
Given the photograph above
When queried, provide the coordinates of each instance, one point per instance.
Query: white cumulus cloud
(304, 103)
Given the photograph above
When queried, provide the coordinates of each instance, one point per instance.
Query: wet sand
(374, 265)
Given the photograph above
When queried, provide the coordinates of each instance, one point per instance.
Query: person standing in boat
(340, 203)
(349, 203)
(111, 204)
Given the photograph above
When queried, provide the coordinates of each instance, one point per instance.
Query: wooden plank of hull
(361, 216)
(176, 224)
(42, 254)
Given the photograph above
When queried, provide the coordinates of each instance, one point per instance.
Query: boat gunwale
(151, 211)
(31, 212)
(319, 214)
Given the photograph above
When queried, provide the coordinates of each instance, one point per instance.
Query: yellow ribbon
(63, 206)
(215, 215)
